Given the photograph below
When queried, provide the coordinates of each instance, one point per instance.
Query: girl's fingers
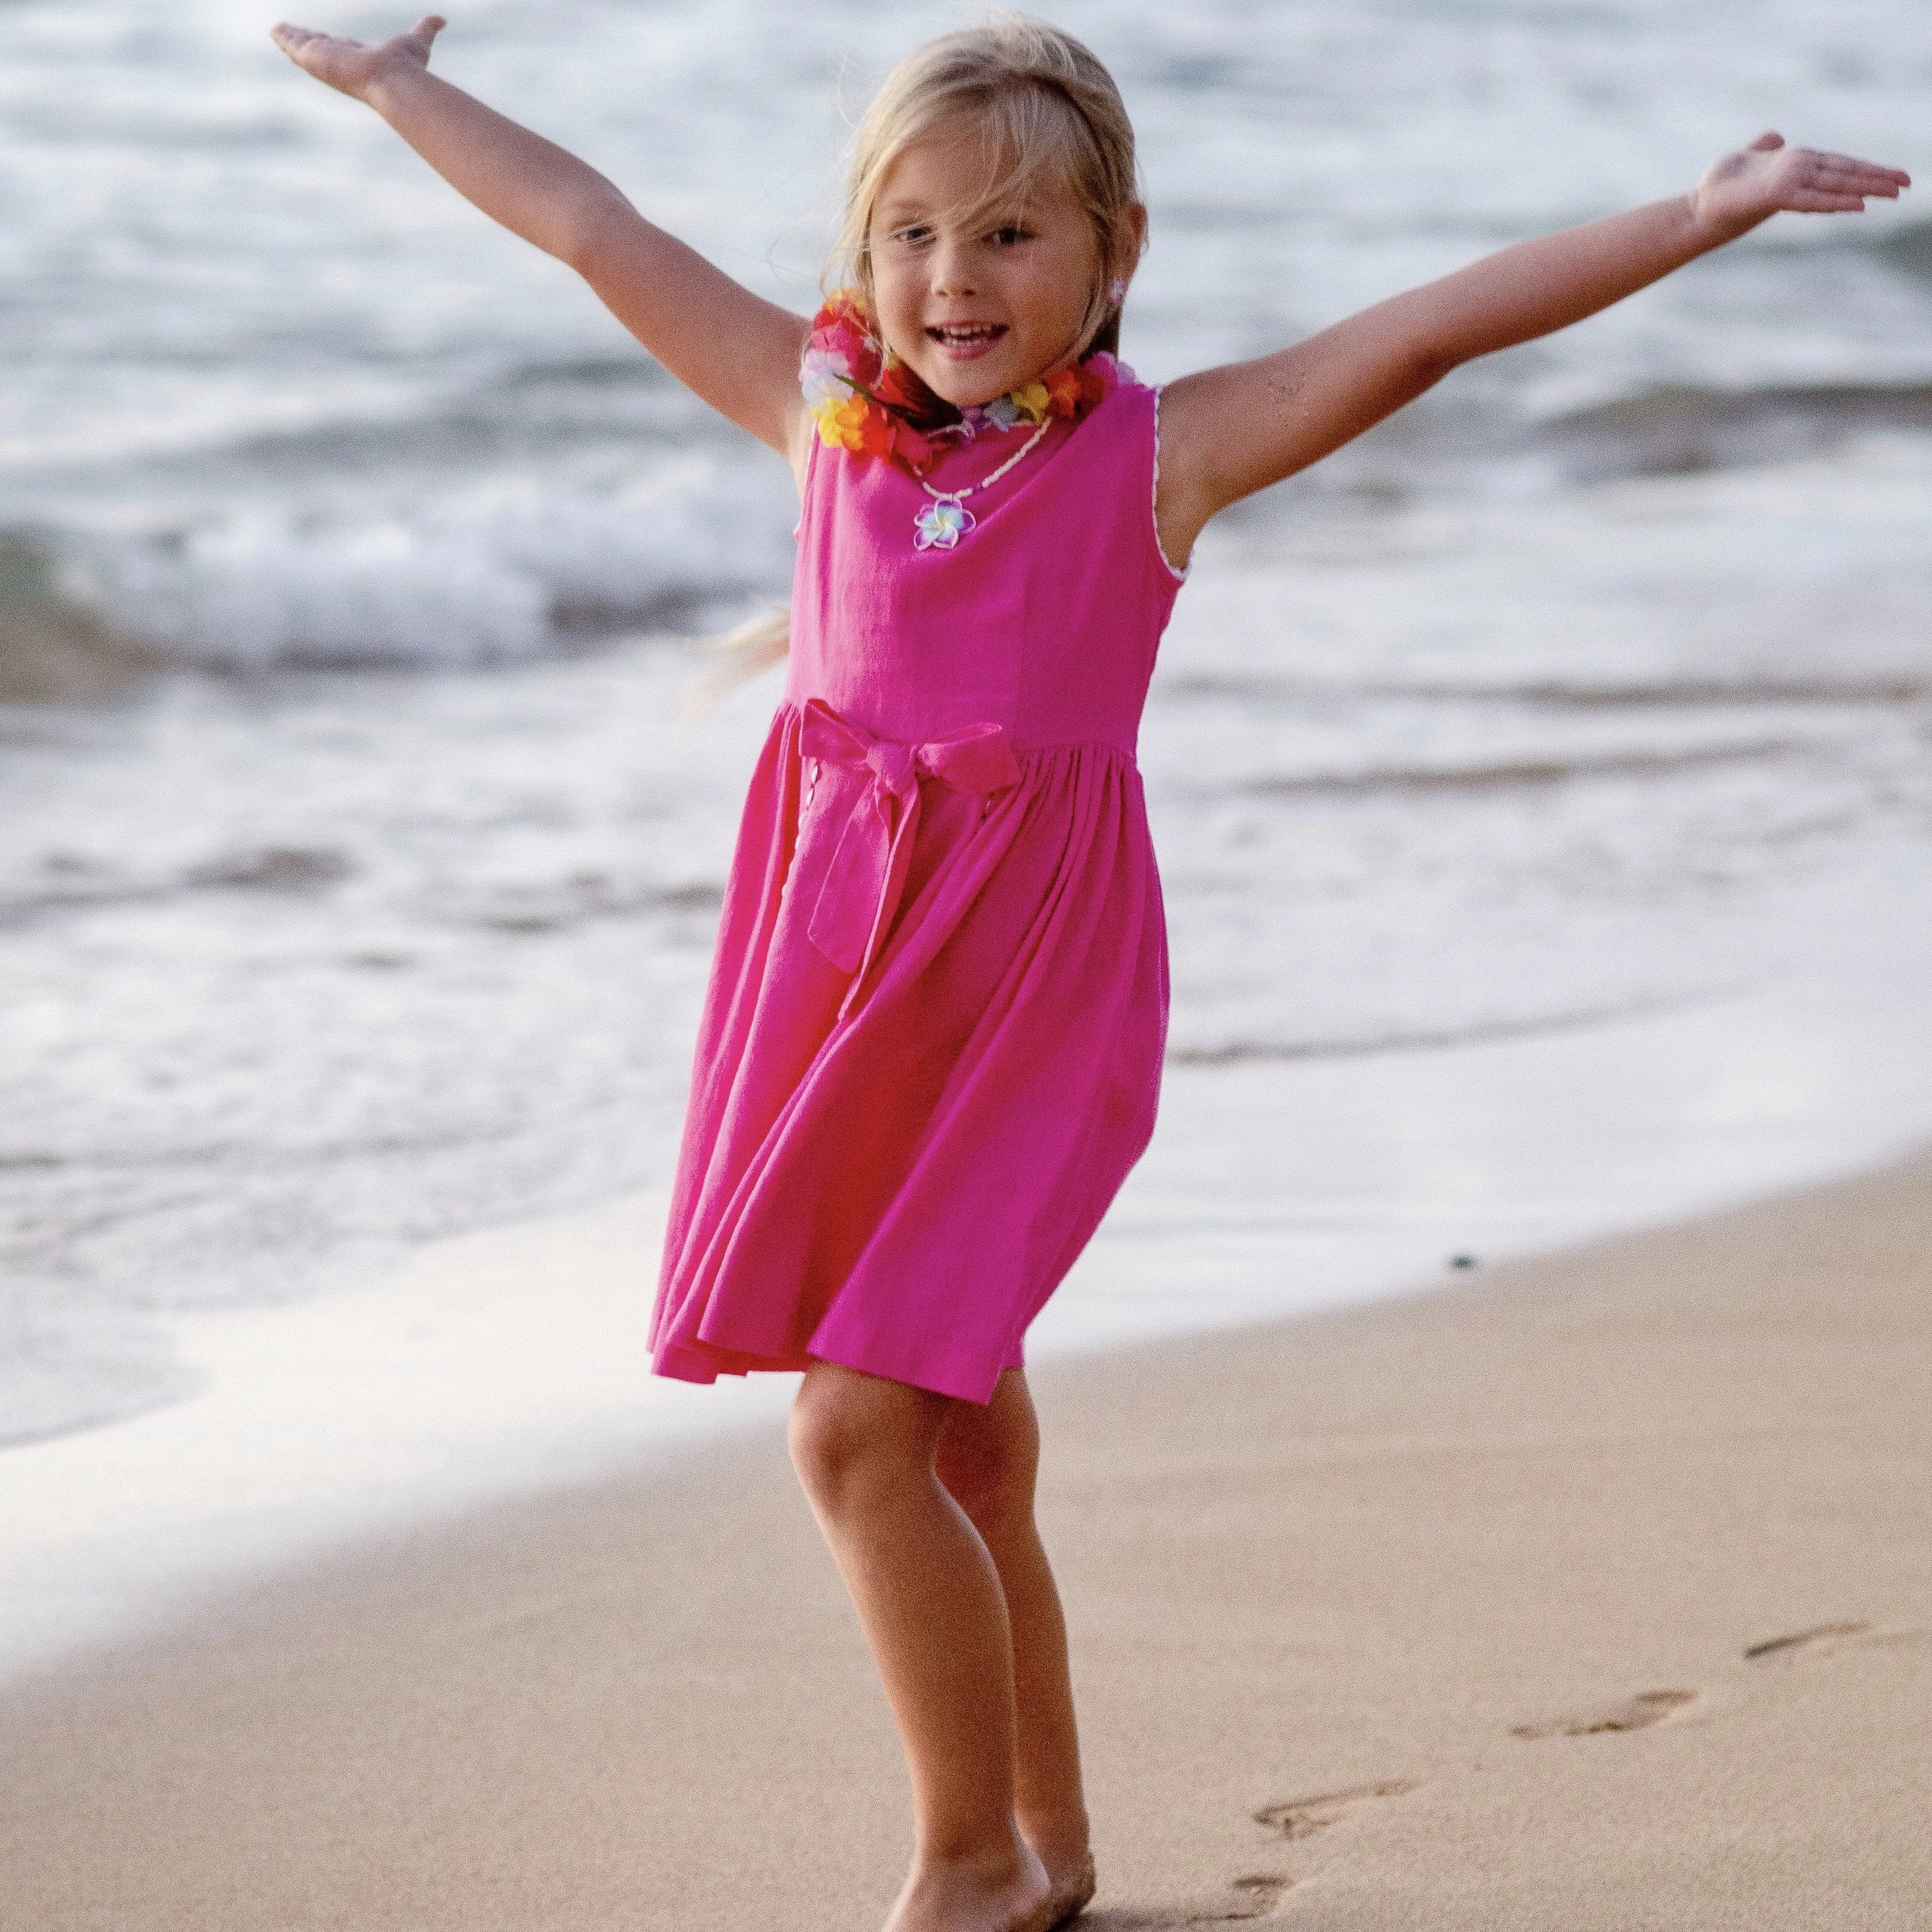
(1827, 196)
(296, 41)
(1852, 164)
(1808, 181)
(293, 39)
(1841, 177)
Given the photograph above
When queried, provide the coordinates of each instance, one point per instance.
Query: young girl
(932, 1042)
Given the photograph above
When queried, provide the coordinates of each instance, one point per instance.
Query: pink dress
(931, 1049)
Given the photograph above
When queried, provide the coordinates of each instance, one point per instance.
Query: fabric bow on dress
(866, 873)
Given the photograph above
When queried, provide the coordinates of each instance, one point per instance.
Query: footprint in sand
(1633, 1713)
(1303, 1817)
(1914, 1636)
(1254, 1898)
(1823, 1640)
(1258, 1893)
(1820, 1640)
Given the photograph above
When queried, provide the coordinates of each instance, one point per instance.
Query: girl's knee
(848, 1431)
(825, 1441)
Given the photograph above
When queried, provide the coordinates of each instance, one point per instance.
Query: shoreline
(1592, 1593)
(509, 1360)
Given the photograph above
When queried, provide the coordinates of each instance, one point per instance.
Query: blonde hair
(1040, 100)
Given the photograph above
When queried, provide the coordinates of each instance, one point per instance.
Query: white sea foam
(501, 571)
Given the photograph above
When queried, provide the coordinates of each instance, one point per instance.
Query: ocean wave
(54, 647)
(583, 498)
(553, 407)
(549, 907)
(1422, 1039)
(598, 371)
(1485, 438)
(1683, 428)
(1512, 773)
(508, 570)
(68, 884)
(1908, 248)
(1898, 687)
(1905, 246)
(71, 883)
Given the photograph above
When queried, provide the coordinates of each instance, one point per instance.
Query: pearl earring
(1117, 290)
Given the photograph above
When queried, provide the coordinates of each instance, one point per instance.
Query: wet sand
(1596, 1592)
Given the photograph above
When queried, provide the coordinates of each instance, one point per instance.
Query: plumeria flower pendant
(941, 523)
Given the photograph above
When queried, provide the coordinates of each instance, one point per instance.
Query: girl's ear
(1123, 251)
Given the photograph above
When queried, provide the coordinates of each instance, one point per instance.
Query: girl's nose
(952, 273)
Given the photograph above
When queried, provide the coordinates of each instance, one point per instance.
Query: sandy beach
(1595, 1593)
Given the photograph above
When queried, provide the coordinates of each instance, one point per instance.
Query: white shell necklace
(943, 521)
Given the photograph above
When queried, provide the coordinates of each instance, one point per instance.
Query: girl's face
(977, 313)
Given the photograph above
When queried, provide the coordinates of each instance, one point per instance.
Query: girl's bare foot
(1060, 1842)
(1072, 1884)
(966, 1895)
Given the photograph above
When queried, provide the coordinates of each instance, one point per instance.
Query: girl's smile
(976, 311)
(963, 341)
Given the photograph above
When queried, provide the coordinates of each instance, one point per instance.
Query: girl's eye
(914, 235)
(1007, 237)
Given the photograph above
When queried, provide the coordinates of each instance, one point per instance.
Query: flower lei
(864, 399)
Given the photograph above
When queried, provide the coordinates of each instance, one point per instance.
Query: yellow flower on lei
(842, 425)
(1032, 401)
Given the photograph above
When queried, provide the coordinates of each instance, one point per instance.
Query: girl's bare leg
(929, 1595)
(988, 1459)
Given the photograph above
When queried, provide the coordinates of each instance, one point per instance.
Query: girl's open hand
(1740, 190)
(352, 67)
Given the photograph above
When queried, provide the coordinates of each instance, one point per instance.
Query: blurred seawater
(356, 877)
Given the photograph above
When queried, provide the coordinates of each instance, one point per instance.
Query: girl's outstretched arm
(1228, 432)
(739, 352)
